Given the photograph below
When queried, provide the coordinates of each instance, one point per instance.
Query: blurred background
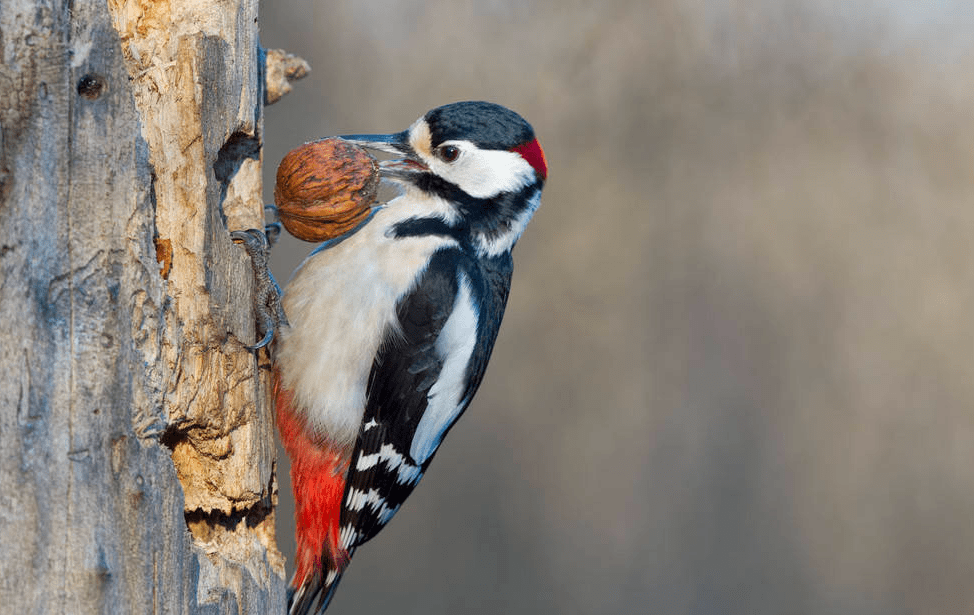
(736, 373)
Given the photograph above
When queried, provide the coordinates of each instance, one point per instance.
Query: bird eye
(448, 153)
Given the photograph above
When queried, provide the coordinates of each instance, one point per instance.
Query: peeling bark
(136, 443)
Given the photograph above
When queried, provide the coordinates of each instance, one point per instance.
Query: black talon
(273, 229)
(267, 295)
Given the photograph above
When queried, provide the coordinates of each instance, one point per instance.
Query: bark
(136, 443)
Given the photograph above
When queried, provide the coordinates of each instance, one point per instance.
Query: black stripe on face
(487, 217)
(422, 227)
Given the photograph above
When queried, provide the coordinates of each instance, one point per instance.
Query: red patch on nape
(532, 152)
(318, 478)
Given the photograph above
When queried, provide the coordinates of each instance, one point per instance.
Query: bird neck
(488, 227)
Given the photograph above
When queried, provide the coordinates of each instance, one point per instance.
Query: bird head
(481, 159)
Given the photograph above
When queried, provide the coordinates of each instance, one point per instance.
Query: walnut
(325, 188)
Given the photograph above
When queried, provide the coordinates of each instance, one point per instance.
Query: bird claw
(267, 294)
(273, 230)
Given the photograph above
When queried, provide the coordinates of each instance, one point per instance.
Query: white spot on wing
(409, 474)
(406, 472)
(347, 535)
(387, 514)
(356, 500)
(392, 458)
(454, 345)
(367, 461)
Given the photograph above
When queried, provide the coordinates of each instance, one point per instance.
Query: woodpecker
(392, 326)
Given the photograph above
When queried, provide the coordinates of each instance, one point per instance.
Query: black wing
(382, 472)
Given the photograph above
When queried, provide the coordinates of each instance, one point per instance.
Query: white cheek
(486, 173)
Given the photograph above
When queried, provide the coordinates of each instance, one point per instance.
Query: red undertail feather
(318, 478)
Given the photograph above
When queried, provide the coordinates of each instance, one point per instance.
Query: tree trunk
(136, 443)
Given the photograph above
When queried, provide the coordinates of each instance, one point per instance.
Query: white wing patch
(347, 536)
(454, 346)
(407, 473)
(367, 461)
(357, 500)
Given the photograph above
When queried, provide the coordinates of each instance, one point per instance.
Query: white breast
(340, 303)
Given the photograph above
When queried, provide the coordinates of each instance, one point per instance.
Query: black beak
(406, 168)
(397, 143)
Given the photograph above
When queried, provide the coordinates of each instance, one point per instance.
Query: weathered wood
(281, 68)
(136, 444)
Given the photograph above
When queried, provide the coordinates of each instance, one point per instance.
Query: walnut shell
(325, 188)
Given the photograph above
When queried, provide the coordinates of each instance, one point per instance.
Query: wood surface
(136, 443)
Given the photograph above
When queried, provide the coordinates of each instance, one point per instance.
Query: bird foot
(273, 230)
(267, 294)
